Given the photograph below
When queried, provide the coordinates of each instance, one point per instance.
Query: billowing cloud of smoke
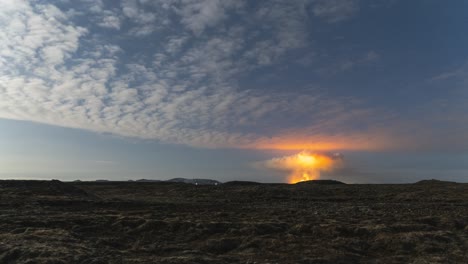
(305, 165)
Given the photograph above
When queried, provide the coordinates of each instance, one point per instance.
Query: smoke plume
(305, 166)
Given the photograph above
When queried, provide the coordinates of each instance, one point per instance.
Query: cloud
(28, 32)
(198, 15)
(347, 64)
(110, 21)
(459, 72)
(143, 17)
(181, 85)
(334, 11)
(84, 91)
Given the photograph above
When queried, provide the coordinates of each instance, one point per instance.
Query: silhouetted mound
(434, 182)
(195, 181)
(241, 183)
(321, 182)
(146, 180)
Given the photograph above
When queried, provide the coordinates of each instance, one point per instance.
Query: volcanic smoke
(305, 166)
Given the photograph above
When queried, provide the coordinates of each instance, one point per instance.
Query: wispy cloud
(346, 64)
(334, 11)
(459, 72)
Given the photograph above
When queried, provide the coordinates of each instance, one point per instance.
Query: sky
(161, 89)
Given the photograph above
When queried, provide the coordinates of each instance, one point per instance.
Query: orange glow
(308, 166)
(303, 166)
(306, 159)
(375, 140)
(298, 146)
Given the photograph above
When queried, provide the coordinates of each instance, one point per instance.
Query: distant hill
(195, 181)
(321, 182)
(146, 180)
(433, 182)
(241, 183)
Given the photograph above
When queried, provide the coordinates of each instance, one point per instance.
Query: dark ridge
(53, 188)
(321, 182)
(433, 181)
(125, 183)
(241, 183)
(146, 180)
(195, 181)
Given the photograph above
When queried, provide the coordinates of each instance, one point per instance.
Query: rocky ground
(144, 222)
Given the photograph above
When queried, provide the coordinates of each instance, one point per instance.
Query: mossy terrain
(239, 222)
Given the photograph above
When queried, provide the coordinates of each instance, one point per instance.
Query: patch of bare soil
(160, 222)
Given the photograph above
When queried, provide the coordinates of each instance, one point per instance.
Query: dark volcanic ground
(110, 222)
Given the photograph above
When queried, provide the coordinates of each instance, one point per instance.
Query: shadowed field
(160, 222)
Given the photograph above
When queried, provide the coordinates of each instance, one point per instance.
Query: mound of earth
(241, 183)
(321, 182)
(146, 180)
(434, 182)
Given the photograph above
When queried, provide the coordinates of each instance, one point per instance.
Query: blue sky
(204, 89)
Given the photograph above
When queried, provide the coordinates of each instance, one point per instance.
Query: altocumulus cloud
(169, 70)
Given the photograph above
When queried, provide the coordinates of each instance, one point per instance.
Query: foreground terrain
(238, 222)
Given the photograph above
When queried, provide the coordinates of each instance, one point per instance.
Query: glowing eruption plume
(305, 165)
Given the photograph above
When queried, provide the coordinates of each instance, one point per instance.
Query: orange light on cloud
(357, 141)
(322, 146)
(304, 166)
